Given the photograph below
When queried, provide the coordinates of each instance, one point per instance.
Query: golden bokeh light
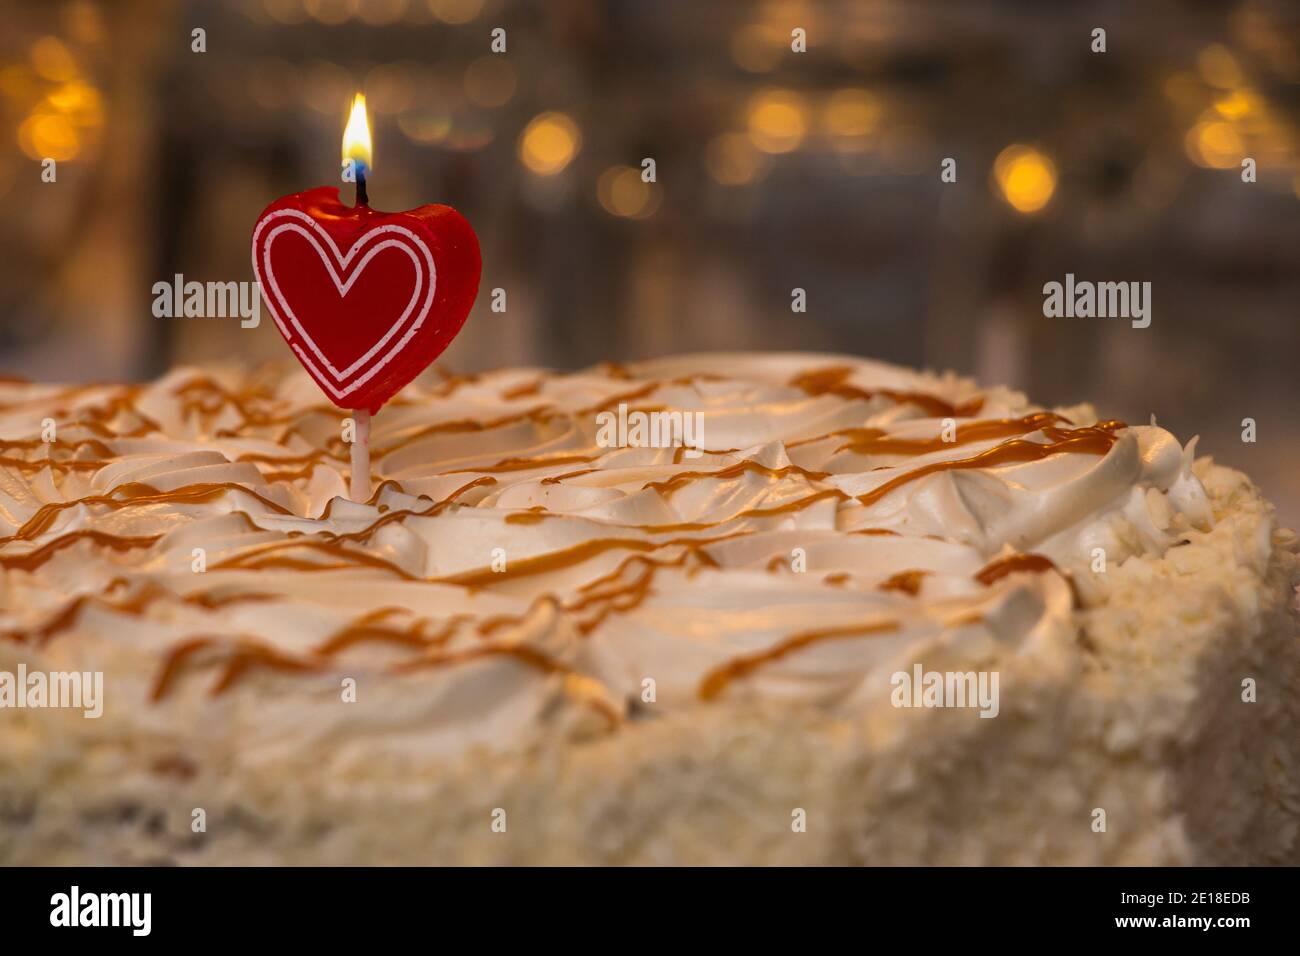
(428, 127)
(380, 13)
(732, 160)
(456, 11)
(52, 60)
(79, 102)
(62, 118)
(851, 116)
(289, 12)
(389, 87)
(469, 132)
(325, 86)
(49, 136)
(1275, 140)
(1239, 104)
(1219, 67)
(758, 48)
(84, 21)
(549, 142)
(1184, 89)
(490, 81)
(1025, 177)
(356, 136)
(1214, 144)
(329, 12)
(623, 193)
(777, 121)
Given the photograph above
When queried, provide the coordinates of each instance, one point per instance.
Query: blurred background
(775, 169)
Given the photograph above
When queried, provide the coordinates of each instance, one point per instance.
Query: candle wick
(363, 199)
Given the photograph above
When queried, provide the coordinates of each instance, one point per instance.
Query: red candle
(365, 299)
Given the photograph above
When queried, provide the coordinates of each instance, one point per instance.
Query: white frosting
(614, 573)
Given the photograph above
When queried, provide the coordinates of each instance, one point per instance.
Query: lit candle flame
(356, 137)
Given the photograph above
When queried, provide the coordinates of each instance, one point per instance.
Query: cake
(737, 609)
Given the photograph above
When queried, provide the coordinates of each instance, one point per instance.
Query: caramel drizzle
(243, 656)
(93, 420)
(94, 416)
(875, 441)
(133, 605)
(310, 459)
(436, 508)
(717, 680)
(524, 464)
(141, 494)
(1012, 563)
(833, 381)
(798, 504)
(1092, 440)
(135, 494)
(55, 464)
(576, 554)
(96, 445)
(616, 370)
(568, 557)
(539, 414)
(247, 653)
(331, 543)
(526, 390)
(557, 479)
(617, 600)
(629, 597)
(65, 618)
(62, 398)
(452, 382)
(250, 417)
(291, 475)
(528, 655)
(38, 556)
(670, 485)
(462, 425)
(193, 395)
(365, 631)
(269, 558)
(908, 582)
(587, 690)
(534, 515)
(193, 392)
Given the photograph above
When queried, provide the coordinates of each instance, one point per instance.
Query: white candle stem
(361, 456)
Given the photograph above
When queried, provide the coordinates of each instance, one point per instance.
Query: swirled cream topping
(530, 559)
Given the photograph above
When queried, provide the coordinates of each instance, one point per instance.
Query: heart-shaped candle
(365, 299)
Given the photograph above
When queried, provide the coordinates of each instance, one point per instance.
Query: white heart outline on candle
(344, 261)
